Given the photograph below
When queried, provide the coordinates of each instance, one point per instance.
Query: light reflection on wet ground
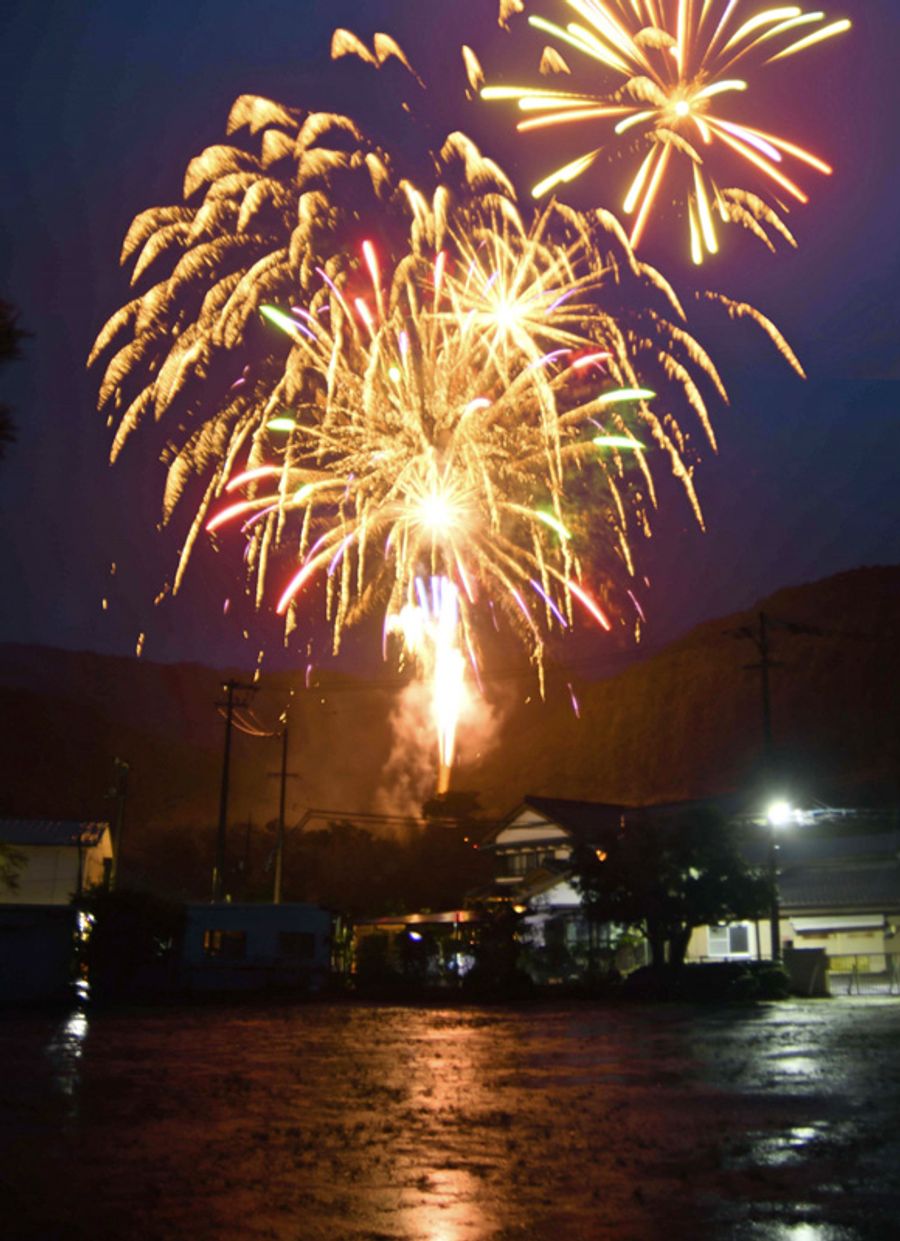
(64, 1050)
(359, 1123)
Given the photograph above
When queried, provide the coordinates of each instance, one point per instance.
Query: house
(838, 891)
(533, 847)
(242, 947)
(61, 858)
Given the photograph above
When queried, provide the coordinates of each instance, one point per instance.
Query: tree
(497, 948)
(132, 948)
(666, 876)
(10, 336)
(11, 862)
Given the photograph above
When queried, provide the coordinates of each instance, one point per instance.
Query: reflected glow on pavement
(356, 1122)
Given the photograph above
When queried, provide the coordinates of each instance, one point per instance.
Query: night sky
(105, 103)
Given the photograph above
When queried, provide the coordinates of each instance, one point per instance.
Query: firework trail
(672, 68)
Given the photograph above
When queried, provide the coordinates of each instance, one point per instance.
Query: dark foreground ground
(354, 1123)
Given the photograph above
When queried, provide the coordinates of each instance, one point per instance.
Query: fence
(876, 973)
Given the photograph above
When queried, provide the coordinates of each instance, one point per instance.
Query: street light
(778, 815)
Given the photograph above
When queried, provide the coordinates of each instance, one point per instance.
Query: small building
(61, 858)
(838, 892)
(242, 947)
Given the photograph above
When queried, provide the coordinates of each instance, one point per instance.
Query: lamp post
(778, 814)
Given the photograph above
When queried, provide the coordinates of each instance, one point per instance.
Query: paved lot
(359, 1123)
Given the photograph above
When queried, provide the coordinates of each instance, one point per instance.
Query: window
(225, 945)
(297, 945)
(515, 864)
(525, 861)
(739, 939)
(730, 941)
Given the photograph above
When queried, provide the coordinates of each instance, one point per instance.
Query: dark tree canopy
(341, 865)
(668, 875)
(133, 943)
(10, 336)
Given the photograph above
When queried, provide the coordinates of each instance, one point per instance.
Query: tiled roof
(590, 820)
(51, 832)
(540, 881)
(581, 818)
(584, 820)
(801, 847)
(444, 917)
(798, 848)
(874, 886)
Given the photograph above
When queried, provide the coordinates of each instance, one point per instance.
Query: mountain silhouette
(683, 722)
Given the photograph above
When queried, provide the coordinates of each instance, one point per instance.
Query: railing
(875, 973)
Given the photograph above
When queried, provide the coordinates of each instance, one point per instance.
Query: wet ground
(355, 1123)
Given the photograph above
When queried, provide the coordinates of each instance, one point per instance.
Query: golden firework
(478, 420)
(675, 64)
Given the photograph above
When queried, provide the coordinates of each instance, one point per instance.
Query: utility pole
(761, 638)
(759, 635)
(775, 910)
(284, 775)
(229, 704)
(118, 792)
(765, 663)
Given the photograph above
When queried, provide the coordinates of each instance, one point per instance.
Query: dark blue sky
(105, 103)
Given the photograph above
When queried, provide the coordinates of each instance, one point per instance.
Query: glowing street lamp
(780, 813)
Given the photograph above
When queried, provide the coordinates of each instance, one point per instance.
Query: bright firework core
(438, 513)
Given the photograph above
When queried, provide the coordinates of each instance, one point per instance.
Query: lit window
(225, 945)
(730, 941)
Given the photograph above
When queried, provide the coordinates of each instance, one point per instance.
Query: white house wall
(517, 834)
(528, 816)
(50, 873)
(699, 948)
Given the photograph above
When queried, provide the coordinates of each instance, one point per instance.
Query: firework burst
(677, 63)
(479, 419)
(473, 427)
(435, 424)
(441, 418)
